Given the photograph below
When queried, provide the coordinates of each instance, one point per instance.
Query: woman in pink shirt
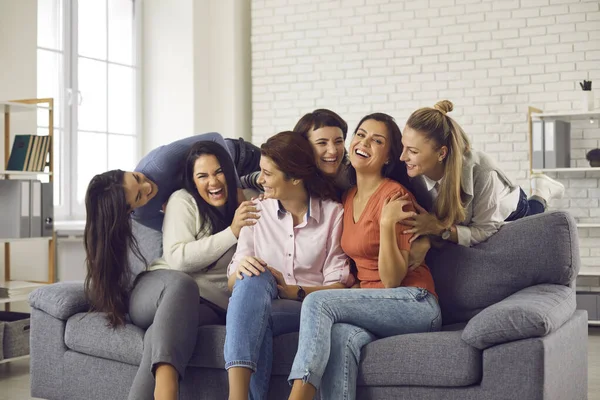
(294, 249)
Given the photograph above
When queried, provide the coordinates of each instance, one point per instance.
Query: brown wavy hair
(107, 240)
(295, 157)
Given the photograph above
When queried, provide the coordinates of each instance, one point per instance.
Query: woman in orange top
(336, 324)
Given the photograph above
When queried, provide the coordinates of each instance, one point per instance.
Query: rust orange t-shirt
(360, 239)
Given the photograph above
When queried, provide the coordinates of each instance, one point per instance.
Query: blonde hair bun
(444, 106)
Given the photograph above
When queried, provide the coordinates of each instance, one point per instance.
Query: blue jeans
(336, 324)
(527, 207)
(254, 317)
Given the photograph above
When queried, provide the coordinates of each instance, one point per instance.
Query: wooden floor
(14, 377)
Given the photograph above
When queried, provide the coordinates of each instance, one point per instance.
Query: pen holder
(587, 101)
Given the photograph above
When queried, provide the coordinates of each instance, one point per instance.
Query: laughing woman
(198, 234)
(293, 250)
(468, 196)
(335, 325)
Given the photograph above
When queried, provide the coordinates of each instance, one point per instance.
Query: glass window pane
(49, 78)
(120, 31)
(121, 115)
(92, 28)
(92, 85)
(57, 134)
(49, 24)
(91, 160)
(121, 152)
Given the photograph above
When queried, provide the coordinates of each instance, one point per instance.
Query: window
(87, 61)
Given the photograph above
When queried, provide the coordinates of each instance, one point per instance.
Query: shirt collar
(312, 212)
(430, 183)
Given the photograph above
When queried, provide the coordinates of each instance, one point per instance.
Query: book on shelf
(29, 153)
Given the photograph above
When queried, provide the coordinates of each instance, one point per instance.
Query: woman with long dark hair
(109, 287)
(203, 222)
(293, 250)
(165, 302)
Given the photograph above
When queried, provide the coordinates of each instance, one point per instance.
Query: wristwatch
(446, 233)
(301, 293)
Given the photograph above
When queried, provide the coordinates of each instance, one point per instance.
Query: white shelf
(14, 359)
(14, 299)
(12, 107)
(29, 239)
(584, 169)
(27, 173)
(589, 271)
(588, 225)
(567, 115)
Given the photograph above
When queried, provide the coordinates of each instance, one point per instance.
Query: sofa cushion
(532, 312)
(420, 359)
(60, 300)
(535, 250)
(89, 333)
(429, 359)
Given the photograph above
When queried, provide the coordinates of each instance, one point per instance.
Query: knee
(184, 285)
(314, 301)
(263, 283)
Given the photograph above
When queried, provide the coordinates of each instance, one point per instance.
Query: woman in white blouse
(468, 196)
(203, 221)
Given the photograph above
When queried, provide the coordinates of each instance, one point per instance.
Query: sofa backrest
(149, 243)
(540, 249)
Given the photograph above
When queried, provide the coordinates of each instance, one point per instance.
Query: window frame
(67, 155)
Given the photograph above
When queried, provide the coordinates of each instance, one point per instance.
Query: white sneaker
(546, 187)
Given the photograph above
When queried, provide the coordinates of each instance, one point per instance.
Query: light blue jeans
(254, 317)
(336, 324)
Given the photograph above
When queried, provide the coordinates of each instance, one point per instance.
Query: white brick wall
(492, 59)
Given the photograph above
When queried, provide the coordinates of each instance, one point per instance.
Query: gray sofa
(510, 332)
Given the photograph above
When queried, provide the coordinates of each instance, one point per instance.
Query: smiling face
(328, 144)
(210, 180)
(273, 180)
(139, 190)
(370, 147)
(421, 155)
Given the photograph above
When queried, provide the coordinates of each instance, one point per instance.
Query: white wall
(492, 59)
(167, 72)
(196, 69)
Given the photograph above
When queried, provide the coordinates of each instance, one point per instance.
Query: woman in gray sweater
(164, 302)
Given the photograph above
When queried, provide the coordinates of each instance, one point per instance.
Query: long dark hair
(107, 239)
(295, 157)
(394, 168)
(213, 220)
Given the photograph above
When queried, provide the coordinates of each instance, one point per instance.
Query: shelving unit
(587, 271)
(8, 108)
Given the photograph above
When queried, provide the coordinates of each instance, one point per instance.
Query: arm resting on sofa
(532, 312)
(60, 300)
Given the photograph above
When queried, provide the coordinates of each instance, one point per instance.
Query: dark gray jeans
(167, 304)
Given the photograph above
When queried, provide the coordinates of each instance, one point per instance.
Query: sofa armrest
(532, 312)
(60, 300)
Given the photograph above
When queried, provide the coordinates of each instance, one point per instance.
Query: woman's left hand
(285, 291)
(423, 224)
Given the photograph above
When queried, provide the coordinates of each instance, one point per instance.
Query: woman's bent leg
(168, 302)
(339, 379)
(399, 310)
(248, 317)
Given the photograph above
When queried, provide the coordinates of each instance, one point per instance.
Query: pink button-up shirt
(308, 254)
